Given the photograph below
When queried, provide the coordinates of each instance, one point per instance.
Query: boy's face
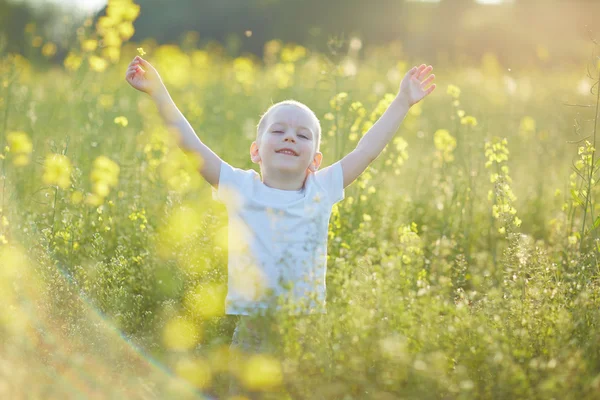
(288, 127)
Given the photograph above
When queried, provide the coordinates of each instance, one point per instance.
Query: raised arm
(412, 90)
(144, 77)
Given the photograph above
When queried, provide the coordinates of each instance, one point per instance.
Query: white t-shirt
(277, 238)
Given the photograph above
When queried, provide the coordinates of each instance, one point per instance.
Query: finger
(430, 89)
(131, 72)
(141, 61)
(428, 80)
(425, 71)
(137, 68)
(412, 71)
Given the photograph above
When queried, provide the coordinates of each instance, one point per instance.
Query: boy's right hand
(143, 76)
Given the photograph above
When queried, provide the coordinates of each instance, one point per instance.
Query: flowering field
(462, 264)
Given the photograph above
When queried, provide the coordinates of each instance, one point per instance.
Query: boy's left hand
(412, 88)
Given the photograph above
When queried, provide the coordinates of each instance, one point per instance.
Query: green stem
(492, 243)
(3, 144)
(589, 183)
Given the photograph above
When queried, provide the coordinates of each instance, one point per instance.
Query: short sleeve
(234, 184)
(331, 179)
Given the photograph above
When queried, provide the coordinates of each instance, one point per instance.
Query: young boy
(278, 220)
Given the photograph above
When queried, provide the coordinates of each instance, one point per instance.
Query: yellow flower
(106, 101)
(105, 23)
(469, 121)
(93, 199)
(527, 127)
(19, 142)
(121, 121)
(262, 372)
(126, 30)
(112, 53)
(21, 146)
(131, 12)
(30, 27)
(89, 45)
(104, 176)
(97, 64)
(72, 62)
(57, 171)
(21, 160)
(101, 189)
(445, 143)
(453, 91)
(103, 162)
(527, 124)
(517, 222)
(244, 69)
(181, 334)
(292, 53)
(49, 49)
(37, 41)
(197, 372)
(443, 140)
(76, 197)
(337, 100)
(122, 10)
(141, 51)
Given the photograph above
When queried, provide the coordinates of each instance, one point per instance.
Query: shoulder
(331, 181)
(233, 179)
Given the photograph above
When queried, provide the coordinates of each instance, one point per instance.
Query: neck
(283, 181)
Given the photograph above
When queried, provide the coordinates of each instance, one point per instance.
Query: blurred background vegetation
(547, 33)
(462, 264)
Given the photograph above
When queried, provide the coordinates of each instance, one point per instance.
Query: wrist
(159, 93)
(401, 101)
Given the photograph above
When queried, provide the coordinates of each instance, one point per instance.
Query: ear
(316, 163)
(254, 156)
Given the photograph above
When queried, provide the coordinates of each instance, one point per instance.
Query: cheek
(308, 149)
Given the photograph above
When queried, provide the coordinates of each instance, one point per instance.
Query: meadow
(462, 264)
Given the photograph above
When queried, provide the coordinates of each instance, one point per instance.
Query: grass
(462, 263)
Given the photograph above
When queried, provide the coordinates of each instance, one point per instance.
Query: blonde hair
(263, 119)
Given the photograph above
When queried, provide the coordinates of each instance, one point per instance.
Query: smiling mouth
(287, 152)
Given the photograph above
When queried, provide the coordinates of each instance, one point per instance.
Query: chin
(287, 167)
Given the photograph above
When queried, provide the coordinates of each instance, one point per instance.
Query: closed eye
(302, 136)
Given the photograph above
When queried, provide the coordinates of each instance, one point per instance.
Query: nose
(289, 138)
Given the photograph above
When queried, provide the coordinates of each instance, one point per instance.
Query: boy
(278, 220)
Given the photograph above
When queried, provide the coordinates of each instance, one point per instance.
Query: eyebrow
(283, 123)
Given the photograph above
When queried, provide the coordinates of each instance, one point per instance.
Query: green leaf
(575, 197)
